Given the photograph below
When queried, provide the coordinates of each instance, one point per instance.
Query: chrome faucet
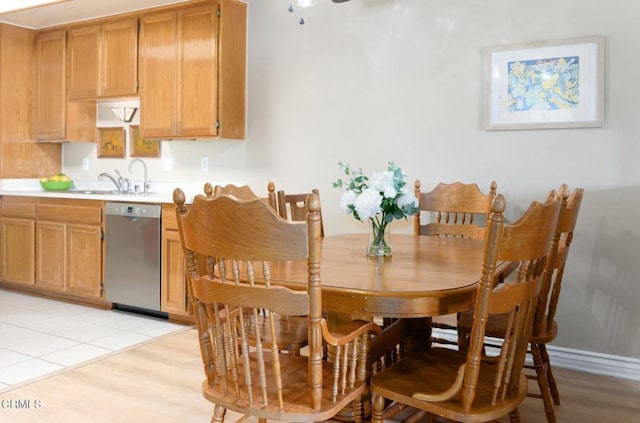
(115, 182)
(147, 183)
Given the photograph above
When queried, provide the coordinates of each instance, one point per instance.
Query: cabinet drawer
(169, 220)
(20, 210)
(70, 213)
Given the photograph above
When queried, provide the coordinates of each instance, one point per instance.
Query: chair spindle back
(455, 209)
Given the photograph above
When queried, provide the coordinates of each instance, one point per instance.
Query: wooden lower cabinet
(56, 247)
(84, 260)
(17, 244)
(18, 250)
(51, 242)
(174, 297)
(69, 247)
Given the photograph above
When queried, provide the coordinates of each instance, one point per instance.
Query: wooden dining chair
(242, 240)
(545, 327)
(292, 330)
(293, 206)
(243, 192)
(452, 210)
(456, 210)
(468, 386)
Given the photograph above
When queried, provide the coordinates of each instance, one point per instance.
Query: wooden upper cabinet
(119, 65)
(192, 72)
(232, 57)
(83, 61)
(158, 73)
(51, 98)
(103, 60)
(197, 70)
(20, 156)
(57, 119)
(16, 83)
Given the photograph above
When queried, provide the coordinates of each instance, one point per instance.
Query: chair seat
(497, 325)
(546, 336)
(296, 393)
(432, 372)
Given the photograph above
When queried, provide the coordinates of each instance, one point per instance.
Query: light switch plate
(204, 164)
(85, 163)
(167, 163)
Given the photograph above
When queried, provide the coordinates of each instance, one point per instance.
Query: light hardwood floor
(160, 382)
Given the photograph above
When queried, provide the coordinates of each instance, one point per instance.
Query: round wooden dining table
(425, 276)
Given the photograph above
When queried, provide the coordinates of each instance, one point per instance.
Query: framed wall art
(552, 84)
(111, 143)
(139, 147)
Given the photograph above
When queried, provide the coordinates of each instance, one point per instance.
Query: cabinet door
(197, 72)
(50, 255)
(51, 98)
(119, 58)
(57, 119)
(232, 69)
(83, 60)
(173, 288)
(193, 71)
(18, 251)
(81, 121)
(17, 54)
(158, 74)
(84, 260)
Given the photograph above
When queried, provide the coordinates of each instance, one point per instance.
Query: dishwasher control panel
(133, 210)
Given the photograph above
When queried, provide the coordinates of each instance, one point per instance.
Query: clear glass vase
(379, 238)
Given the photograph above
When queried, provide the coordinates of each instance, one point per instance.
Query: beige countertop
(90, 190)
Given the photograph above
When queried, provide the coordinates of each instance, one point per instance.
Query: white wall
(370, 81)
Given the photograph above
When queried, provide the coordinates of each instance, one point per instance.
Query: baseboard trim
(594, 362)
(579, 360)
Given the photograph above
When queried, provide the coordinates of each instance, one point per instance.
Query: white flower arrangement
(381, 198)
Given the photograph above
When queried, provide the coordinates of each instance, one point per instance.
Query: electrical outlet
(167, 164)
(204, 164)
(85, 163)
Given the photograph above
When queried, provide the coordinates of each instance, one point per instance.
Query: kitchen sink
(109, 192)
(93, 192)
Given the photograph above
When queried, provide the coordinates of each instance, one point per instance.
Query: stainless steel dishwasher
(132, 256)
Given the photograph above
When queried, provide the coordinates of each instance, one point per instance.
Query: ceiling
(77, 10)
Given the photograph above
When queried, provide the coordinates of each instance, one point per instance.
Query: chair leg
(416, 417)
(377, 411)
(514, 416)
(463, 340)
(553, 387)
(218, 414)
(358, 412)
(543, 384)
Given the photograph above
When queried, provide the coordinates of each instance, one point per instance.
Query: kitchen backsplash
(179, 161)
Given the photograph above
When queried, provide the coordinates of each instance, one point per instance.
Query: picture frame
(549, 84)
(140, 147)
(111, 143)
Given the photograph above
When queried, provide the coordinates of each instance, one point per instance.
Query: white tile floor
(39, 336)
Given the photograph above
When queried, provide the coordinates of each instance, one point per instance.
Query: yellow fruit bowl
(56, 185)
